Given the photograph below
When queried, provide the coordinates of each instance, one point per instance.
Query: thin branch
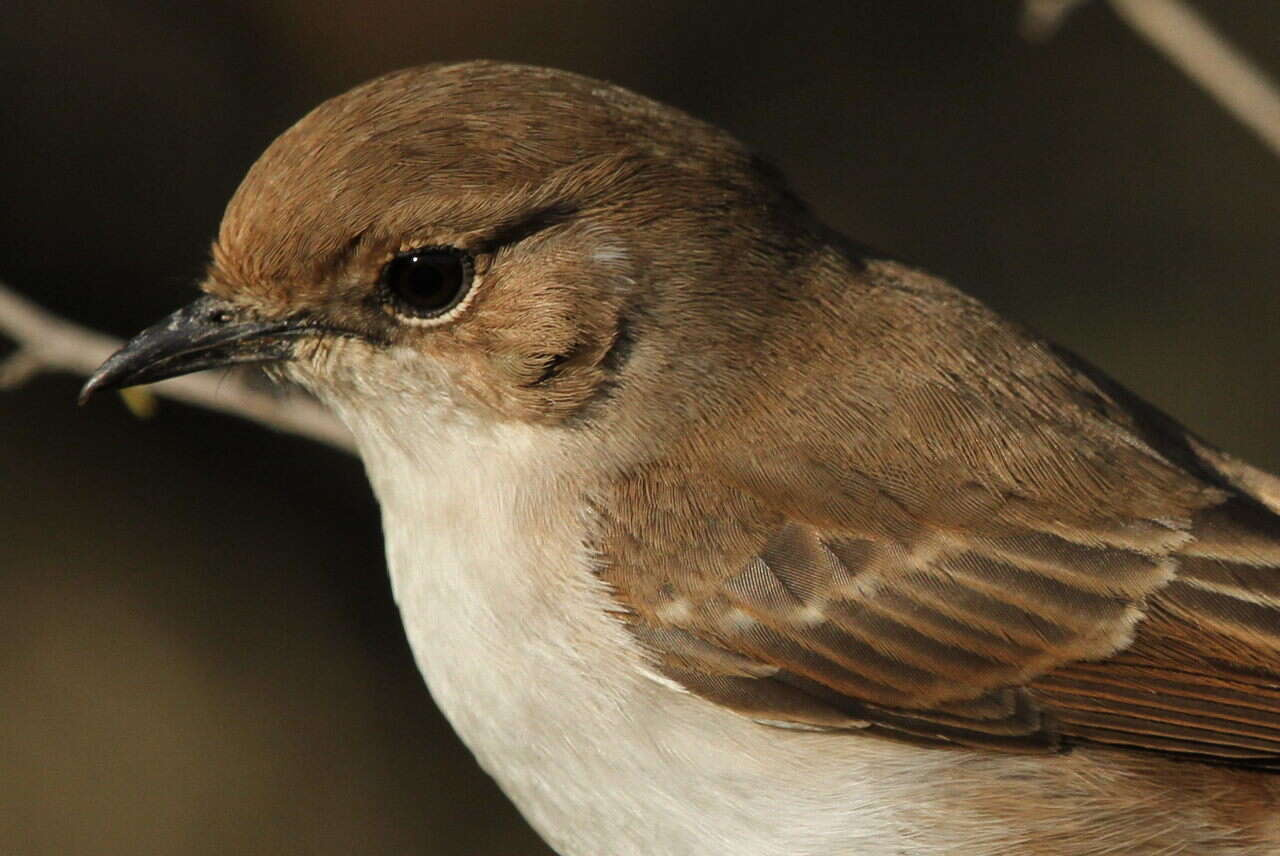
(1192, 44)
(1042, 18)
(46, 343)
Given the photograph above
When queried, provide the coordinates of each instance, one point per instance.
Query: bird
(716, 532)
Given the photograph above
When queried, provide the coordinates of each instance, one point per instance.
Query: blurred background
(199, 653)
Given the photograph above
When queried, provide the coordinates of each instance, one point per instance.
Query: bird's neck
(507, 621)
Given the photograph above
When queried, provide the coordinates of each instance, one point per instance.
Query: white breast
(511, 630)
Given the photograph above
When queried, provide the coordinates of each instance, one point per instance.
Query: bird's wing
(1017, 556)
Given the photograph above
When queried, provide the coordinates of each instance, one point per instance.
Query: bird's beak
(205, 334)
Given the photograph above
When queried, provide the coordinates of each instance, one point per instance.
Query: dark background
(198, 649)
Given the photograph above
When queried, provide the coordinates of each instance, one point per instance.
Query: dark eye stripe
(531, 224)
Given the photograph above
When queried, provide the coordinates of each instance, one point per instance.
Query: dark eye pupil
(428, 282)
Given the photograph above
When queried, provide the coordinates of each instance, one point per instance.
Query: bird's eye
(428, 282)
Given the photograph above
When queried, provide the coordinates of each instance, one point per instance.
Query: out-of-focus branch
(1192, 44)
(1042, 18)
(46, 343)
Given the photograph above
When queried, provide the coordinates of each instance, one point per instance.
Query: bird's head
(520, 245)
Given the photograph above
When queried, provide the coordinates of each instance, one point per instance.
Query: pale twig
(1192, 44)
(1042, 18)
(46, 343)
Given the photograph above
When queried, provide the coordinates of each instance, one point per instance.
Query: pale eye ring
(427, 282)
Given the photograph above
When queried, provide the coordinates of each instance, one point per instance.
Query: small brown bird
(714, 533)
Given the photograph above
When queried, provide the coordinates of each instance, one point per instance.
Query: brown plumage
(933, 523)
(823, 489)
